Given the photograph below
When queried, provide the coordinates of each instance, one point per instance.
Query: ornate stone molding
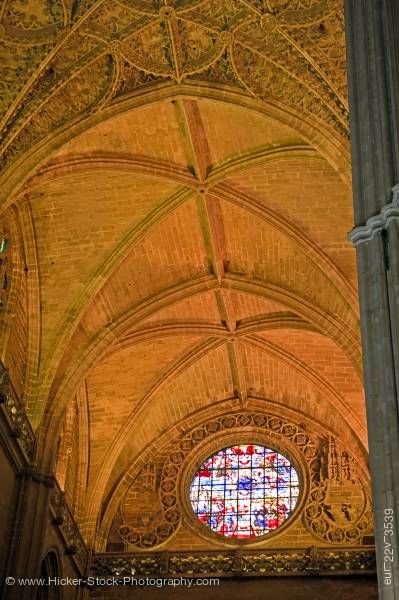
(376, 223)
(62, 517)
(304, 561)
(15, 414)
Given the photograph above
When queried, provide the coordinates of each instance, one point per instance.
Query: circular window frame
(240, 437)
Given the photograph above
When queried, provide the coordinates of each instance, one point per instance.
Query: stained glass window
(244, 491)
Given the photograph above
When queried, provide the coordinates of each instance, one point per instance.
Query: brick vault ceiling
(185, 168)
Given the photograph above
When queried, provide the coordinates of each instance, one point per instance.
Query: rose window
(244, 491)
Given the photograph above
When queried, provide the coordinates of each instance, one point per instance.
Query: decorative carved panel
(63, 60)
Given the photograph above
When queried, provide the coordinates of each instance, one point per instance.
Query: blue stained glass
(244, 491)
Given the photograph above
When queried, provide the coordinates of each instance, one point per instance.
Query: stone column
(372, 28)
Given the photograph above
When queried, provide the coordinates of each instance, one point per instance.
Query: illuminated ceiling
(181, 179)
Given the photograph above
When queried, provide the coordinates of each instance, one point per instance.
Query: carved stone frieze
(62, 60)
(309, 561)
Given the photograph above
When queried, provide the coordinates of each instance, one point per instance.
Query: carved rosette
(328, 474)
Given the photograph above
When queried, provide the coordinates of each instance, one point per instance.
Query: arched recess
(135, 429)
(50, 569)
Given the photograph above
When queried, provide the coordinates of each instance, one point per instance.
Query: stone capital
(376, 223)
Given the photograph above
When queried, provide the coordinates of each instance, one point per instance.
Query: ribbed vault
(182, 196)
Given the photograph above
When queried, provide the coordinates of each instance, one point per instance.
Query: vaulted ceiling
(180, 175)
